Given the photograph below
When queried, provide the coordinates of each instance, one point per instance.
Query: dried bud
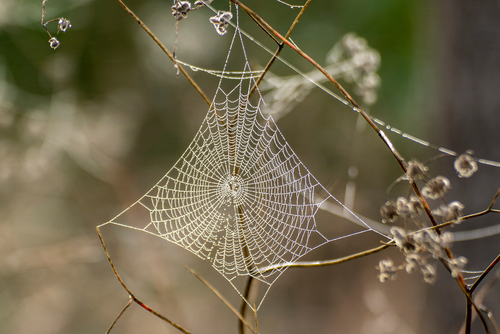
(436, 187)
(402, 207)
(452, 211)
(416, 205)
(63, 24)
(429, 271)
(414, 261)
(221, 21)
(387, 270)
(402, 240)
(465, 165)
(389, 212)
(457, 265)
(54, 43)
(181, 9)
(415, 170)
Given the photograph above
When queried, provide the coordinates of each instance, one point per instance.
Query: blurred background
(87, 129)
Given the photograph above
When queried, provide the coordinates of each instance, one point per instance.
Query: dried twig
(224, 300)
(132, 296)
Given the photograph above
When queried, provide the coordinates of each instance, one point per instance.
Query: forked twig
(132, 296)
(479, 300)
(221, 297)
(470, 302)
(119, 315)
(486, 272)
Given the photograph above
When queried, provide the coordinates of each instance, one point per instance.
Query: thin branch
(492, 320)
(255, 319)
(480, 295)
(468, 319)
(309, 264)
(44, 24)
(132, 296)
(280, 47)
(483, 275)
(470, 302)
(221, 297)
(130, 300)
(472, 215)
(160, 44)
(243, 307)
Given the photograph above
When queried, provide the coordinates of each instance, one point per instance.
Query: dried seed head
(436, 187)
(181, 9)
(221, 22)
(457, 265)
(447, 239)
(403, 241)
(387, 270)
(429, 271)
(415, 170)
(403, 207)
(63, 24)
(389, 212)
(465, 165)
(417, 206)
(414, 261)
(429, 241)
(54, 43)
(452, 211)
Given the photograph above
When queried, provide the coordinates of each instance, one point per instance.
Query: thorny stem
(132, 296)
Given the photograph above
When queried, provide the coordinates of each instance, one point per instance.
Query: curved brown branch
(132, 296)
(309, 264)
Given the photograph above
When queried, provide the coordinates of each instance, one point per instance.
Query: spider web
(239, 197)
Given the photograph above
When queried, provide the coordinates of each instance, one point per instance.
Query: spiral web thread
(238, 197)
